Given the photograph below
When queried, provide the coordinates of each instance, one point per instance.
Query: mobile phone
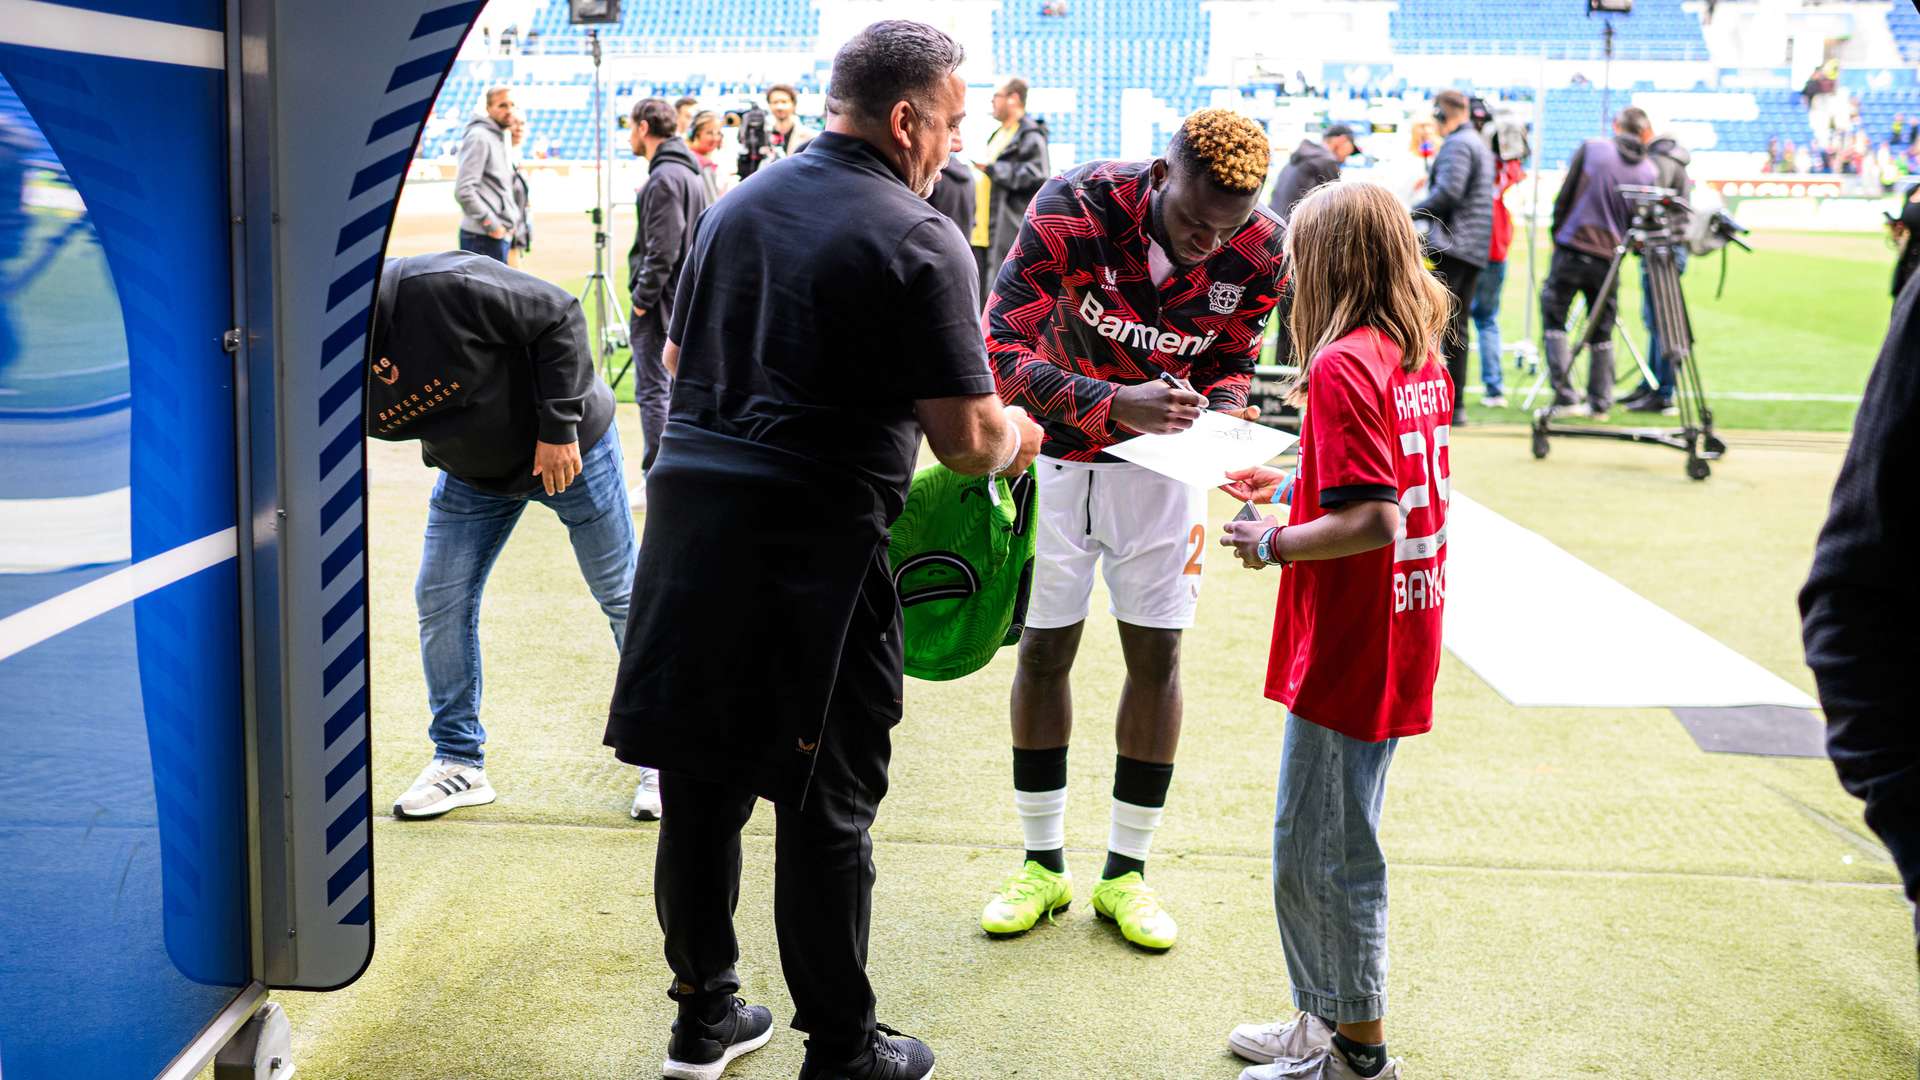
(1247, 513)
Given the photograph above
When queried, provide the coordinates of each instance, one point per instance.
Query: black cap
(1342, 129)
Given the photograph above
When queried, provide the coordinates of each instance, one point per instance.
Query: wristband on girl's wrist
(1269, 547)
(1283, 492)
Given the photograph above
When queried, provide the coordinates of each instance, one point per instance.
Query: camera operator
(1670, 161)
(1312, 164)
(1590, 220)
(489, 368)
(786, 135)
(665, 208)
(1011, 171)
(1458, 214)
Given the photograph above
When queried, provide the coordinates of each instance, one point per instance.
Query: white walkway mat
(1537, 646)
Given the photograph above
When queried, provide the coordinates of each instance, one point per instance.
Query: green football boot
(1130, 902)
(1029, 894)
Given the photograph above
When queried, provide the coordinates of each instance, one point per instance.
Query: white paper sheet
(1203, 454)
(1544, 629)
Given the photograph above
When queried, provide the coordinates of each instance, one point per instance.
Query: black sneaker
(1640, 393)
(891, 1056)
(1652, 403)
(702, 1051)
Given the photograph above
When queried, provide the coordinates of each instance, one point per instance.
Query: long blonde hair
(1355, 262)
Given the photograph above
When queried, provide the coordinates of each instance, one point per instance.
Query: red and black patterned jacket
(1074, 314)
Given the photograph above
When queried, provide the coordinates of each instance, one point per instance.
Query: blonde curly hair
(1229, 148)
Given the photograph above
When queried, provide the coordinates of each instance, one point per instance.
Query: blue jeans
(1657, 362)
(482, 244)
(466, 528)
(1329, 874)
(1486, 324)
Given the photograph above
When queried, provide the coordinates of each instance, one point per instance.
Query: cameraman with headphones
(1590, 218)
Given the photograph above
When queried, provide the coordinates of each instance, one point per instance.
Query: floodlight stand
(598, 297)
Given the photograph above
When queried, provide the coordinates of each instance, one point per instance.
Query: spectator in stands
(1670, 161)
(1456, 216)
(683, 110)
(483, 181)
(522, 240)
(786, 133)
(1509, 143)
(665, 208)
(823, 324)
(953, 193)
(1312, 164)
(703, 139)
(1590, 217)
(1857, 607)
(1013, 167)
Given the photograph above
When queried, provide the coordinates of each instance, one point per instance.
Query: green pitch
(1584, 885)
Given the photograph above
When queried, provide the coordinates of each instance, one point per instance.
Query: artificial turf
(1575, 892)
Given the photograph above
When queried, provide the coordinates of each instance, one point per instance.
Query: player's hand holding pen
(1164, 406)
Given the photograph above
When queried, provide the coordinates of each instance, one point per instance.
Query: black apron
(762, 598)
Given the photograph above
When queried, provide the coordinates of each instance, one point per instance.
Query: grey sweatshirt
(484, 183)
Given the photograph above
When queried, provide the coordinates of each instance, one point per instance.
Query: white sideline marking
(24, 629)
(1545, 629)
(41, 25)
(38, 536)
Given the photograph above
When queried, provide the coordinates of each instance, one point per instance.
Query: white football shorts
(1148, 533)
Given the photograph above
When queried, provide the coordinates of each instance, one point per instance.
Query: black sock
(1139, 794)
(1367, 1059)
(1040, 772)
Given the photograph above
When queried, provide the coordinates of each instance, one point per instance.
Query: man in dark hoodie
(1856, 608)
(1590, 217)
(1670, 161)
(489, 368)
(1312, 164)
(1457, 214)
(953, 193)
(1011, 171)
(670, 200)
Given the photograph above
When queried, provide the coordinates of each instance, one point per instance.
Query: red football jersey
(1356, 641)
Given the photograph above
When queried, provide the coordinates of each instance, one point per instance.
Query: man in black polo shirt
(824, 319)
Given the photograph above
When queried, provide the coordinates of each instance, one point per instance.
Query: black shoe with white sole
(889, 1056)
(702, 1051)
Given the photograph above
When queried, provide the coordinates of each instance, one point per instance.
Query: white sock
(1043, 818)
(1132, 833)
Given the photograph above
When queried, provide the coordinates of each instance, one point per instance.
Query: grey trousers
(652, 386)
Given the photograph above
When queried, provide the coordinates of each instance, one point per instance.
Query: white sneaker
(442, 786)
(1577, 410)
(637, 497)
(1496, 401)
(1323, 1064)
(1281, 1040)
(646, 796)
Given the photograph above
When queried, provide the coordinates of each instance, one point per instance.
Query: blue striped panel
(352, 281)
(400, 119)
(343, 556)
(427, 67)
(345, 388)
(380, 171)
(338, 776)
(344, 717)
(342, 826)
(363, 226)
(342, 501)
(362, 912)
(343, 665)
(349, 605)
(446, 18)
(344, 335)
(350, 872)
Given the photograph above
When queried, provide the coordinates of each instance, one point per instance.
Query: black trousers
(1459, 278)
(1576, 273)
(822, 884)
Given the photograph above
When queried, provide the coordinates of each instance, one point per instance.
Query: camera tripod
(598, 297)
(1653, 239)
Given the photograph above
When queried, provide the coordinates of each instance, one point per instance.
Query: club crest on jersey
(1223, 298)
